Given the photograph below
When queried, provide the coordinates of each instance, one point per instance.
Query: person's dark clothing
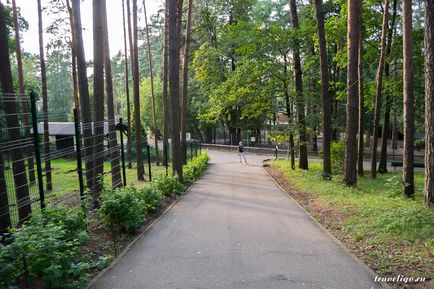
(240, 148)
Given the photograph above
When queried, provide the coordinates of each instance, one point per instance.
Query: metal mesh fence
(51, 157)
(18, 182)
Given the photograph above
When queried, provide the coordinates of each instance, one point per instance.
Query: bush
(122, 209)
(169, 185)
(337, 155)
(195, 167)
(151, 197)
(419, 144)
(50, 244)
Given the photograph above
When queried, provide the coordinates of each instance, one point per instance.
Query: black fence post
(184, 152)
(166, 161)
(195, 148)
(79, 160)
(149, 162)
(191, 150)
(26, 272)
(37, 149)
(200, 147)
(121, 129)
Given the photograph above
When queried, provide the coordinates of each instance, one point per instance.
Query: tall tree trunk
(113, 143)
(5, 217)
(350, 163)
(326, 117)
(303, 161)
(98, 96)
(136, 80)
(83, 87)
(30, 161)
(166, 105)
(361, 131)
(184, 109)
(394, 125)
(408, 154)
(288, 108)
(13, 131)
(48, 177)
(382, 167)
(429, 102)
(151, 73)
(379, 91)
(74, 59)
(127, 81)
(174, 62)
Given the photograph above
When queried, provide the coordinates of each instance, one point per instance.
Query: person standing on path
(241, 152)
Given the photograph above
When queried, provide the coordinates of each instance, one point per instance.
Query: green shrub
(151, 197)
(419, 143)
(122, 209)
(73, 220)
(337, 154)
(168, 185)
(50, 245)
(195, 167)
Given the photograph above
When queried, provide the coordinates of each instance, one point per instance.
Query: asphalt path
(236, 229)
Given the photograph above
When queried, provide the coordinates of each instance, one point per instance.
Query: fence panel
(19, 193)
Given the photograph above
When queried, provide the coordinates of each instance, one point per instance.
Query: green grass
(65, 181)
(386, 229)
(65, 177)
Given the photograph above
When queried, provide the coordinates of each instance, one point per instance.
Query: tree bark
(350, 164)
(174, 41)
(5, 218)
(98, 97)
(379, 91)
(113, 142)
(408, 93)
(361, 131)
(13, 132)
(127, 81)
(382, 167)
(184, 110)
(288, 109)
(326, 117)
(49, 184)
(30, 161)
(83, 87)
(394, 125)
(166, 105)
(74, 60)
(303, 161)
(136, 80)
(429, 102)
(151, 73)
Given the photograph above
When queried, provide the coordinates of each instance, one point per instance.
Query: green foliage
(419, 144)
(50, 245)
(337, 154)
(169, 185)
(151, 197)
(375, 214)
(195, 167)
(122, 209)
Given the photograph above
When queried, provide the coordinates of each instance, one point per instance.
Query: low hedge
(195, 167)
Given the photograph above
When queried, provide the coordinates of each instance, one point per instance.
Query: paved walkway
(236, 229)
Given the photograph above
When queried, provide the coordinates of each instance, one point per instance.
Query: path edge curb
(137, 238)
(333, 237)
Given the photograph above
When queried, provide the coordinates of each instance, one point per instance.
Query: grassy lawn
(383, 228)
(66, 185)
(65, 177)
